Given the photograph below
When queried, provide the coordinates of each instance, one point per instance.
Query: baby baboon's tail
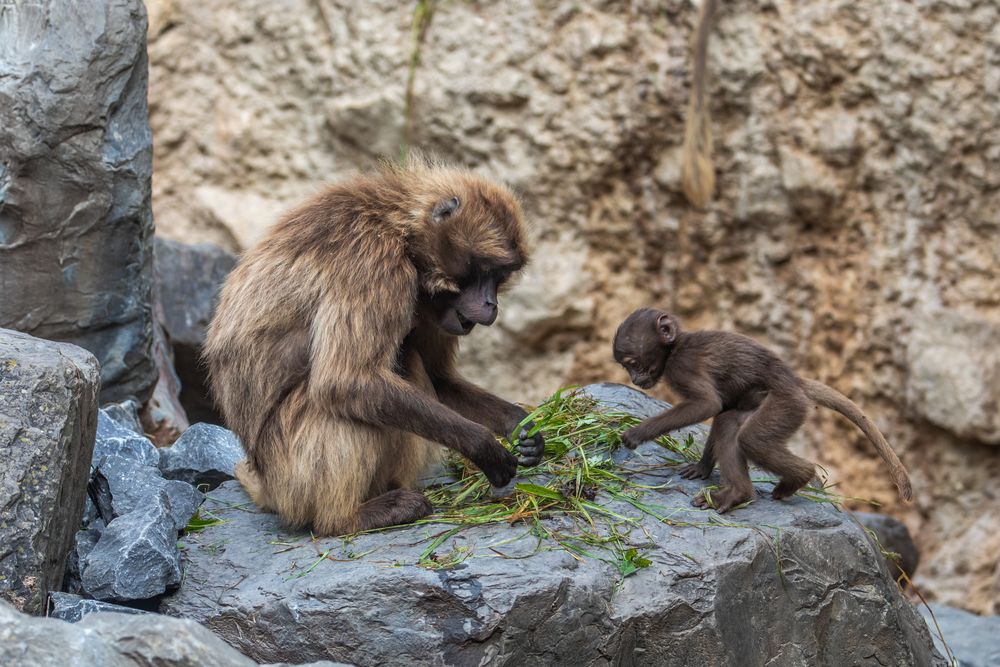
(833, 399)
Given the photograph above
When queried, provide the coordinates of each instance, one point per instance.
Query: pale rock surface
(114, 639)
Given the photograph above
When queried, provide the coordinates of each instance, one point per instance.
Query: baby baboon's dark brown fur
(757, 402)
(332, 349)
(697, 172)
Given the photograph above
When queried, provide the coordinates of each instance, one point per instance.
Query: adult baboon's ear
(667, 327)
(445, 208)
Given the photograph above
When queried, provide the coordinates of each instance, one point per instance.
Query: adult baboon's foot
(393, 508)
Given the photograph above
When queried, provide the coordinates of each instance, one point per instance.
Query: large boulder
(793, 582)
(106, 639)
(48, 416)
(75, 165)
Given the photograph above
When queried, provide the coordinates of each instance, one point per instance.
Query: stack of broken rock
(139, 499)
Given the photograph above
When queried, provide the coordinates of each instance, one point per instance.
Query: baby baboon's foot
(723, 499)
(696, 471)
(785, 489)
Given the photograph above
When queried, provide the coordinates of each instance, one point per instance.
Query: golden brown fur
(697, 172)
(322, 348)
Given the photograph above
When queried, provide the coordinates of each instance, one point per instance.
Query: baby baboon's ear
(667, 327)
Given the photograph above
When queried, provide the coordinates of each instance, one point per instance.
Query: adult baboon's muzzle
(479, 303)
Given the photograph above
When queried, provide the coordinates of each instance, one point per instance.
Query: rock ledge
(792, 582)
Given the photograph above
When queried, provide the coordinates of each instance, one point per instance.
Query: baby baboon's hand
(633, 437)
(531, 447)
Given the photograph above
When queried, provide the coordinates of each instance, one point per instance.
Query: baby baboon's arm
(699, 402)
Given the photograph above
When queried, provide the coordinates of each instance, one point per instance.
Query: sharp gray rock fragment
(125, 414)
(115, 438)
(133, 486)
(73, 608)
(204, 455)
(136, 556)
(83, 544)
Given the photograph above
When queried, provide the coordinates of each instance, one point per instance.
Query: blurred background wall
(856, 229)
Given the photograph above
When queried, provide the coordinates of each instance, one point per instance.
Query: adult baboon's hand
(496, 462)
(530, 447)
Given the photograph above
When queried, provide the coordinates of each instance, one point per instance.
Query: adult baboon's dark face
(474, 252)
(475, 303)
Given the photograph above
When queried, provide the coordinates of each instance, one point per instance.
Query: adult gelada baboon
(331, 353)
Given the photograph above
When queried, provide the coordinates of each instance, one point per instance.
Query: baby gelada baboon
(331, 353)
(756, 403)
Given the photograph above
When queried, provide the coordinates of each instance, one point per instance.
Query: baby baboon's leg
(735, 487)
(703, 468)
(764, 437)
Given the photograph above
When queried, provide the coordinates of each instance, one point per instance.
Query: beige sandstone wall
(856, 229)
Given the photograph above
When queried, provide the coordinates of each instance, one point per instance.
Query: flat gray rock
(75, 165)
(114, 639)
(777, 583)
(974, 640)
(26, 641)
(48, 415)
